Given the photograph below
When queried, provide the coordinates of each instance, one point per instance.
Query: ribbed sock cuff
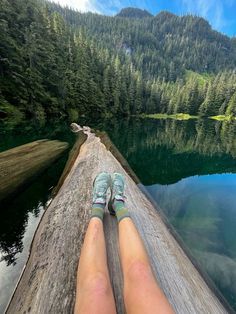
(97, 212)
(122, 213)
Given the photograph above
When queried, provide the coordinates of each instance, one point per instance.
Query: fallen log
(20, 164)
(48, 282)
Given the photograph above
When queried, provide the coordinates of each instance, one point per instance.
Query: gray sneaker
(117, 191)
(100, 186)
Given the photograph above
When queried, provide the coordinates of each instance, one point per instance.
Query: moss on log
(20, 164)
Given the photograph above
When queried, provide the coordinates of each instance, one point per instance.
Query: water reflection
(26, 133)
(21, 215)
(203, 211)
(19, 220)
(14, 220)
(188, 168)
(10, 272)
(165, 151)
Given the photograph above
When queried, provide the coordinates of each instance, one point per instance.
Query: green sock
(120, 209)
(98, 211)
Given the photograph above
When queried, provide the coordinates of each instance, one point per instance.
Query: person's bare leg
(141, 291)
(93, 292)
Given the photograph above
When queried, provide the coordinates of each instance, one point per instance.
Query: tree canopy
(55, 61)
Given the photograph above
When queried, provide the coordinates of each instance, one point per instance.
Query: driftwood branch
(19, 165)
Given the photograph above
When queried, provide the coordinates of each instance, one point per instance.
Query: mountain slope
(165, 45)
(56, 62)
(134, 13)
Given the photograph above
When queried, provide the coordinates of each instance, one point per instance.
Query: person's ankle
(120, 210)
(98, 210)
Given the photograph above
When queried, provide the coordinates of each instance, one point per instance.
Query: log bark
(20, 164)
(48, 282)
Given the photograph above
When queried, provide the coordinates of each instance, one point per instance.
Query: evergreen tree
(55, 61)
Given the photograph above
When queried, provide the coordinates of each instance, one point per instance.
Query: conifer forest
(57, 62)
(133, 76)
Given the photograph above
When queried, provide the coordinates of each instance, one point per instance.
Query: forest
(56, 63)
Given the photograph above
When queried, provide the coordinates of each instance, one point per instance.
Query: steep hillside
(134, 13)
(165, 45)
(58, 62)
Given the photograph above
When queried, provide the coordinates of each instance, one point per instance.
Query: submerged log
(20, 164)
(48, 282)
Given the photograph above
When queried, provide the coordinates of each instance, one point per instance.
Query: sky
(220, 13)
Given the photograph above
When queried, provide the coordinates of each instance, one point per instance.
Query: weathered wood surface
(48, 282)
(18, 165)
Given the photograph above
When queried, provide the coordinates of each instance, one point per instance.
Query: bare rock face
(20, 164)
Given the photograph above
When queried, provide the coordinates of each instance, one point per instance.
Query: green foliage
(178, 116)
(134, 13)
(58, 62)
(73, 114)
(164, 45)
(222, 118)
(10, 115)
(231, 109)
(8, 110)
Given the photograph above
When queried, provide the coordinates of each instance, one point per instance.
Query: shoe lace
(99, 194)
(118, 189)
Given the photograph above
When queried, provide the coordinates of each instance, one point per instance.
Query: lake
(188, 167)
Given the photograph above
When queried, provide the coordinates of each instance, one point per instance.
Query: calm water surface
(188, 167)
(20, 217)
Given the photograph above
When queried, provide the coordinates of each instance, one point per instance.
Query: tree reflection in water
(188, 167)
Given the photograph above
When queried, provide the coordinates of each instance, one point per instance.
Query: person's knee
(139, 272)
(98, 284)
